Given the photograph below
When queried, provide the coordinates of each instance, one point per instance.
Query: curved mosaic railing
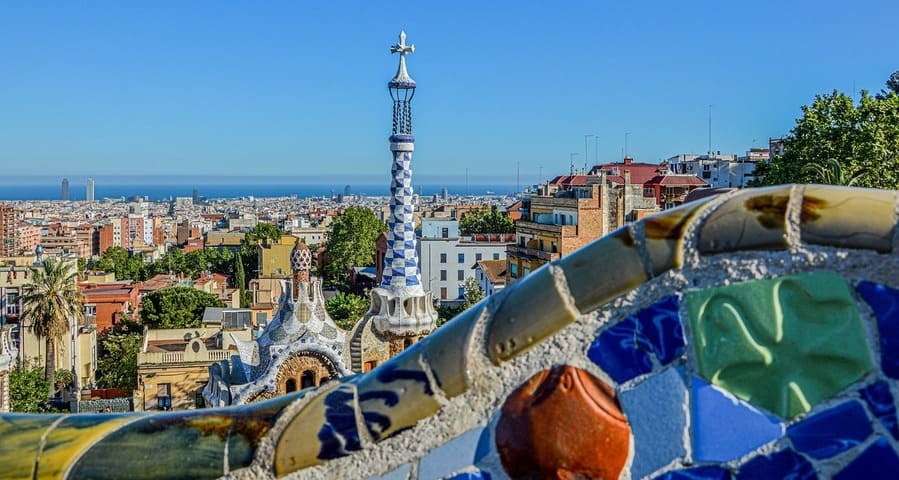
(750, 335)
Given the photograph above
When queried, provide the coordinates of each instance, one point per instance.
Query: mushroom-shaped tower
(301, 264)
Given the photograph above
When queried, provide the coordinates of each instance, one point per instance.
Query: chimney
(628, 160)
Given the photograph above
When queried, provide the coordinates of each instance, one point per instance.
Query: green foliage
(840, 142)
(125, 267)
(472, 292)
(892, 86)
(351, 242)
(29, 390)
(117, 367)
(240, 280)
(346, 309)
(447, 312)
(176, 307)
(485, 221)
(263, 232)
(50, 302)
(64, 378)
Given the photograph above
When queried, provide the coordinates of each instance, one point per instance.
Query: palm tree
(49, 302)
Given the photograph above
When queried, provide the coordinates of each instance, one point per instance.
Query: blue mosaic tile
(658, 421)
(877, 461)
(699, 473)
(880, 402)
(782, 464)
(479, 475)
(885, 303)
(453, 456)
(627, 349)
(726, 428)
(485, 446)
(832, 431)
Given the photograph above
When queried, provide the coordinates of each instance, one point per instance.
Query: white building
(448, 258)
(719, 170)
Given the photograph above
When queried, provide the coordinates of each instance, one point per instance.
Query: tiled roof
(495, 270)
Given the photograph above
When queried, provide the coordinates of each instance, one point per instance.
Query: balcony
(560, 230)
(162, 358)
(519, 251)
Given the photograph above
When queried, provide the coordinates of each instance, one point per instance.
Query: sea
(162, 191)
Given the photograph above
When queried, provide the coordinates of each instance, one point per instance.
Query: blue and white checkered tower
(400, 308)
(401, 261)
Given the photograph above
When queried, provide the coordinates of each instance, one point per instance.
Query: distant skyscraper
(196, 196)
(65, 189)
(347, 190)
(445, 194)
(90, 189)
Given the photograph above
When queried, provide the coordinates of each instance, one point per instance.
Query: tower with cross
(401, 310)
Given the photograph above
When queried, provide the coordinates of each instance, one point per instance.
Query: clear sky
(299, 88)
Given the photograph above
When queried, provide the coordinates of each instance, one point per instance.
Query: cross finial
(401, 47)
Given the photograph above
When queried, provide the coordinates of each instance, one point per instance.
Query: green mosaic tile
(783, 344)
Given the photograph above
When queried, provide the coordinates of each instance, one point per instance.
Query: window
(525, 271)
(496, 256)
(90, 310)
(541, 244)
(513, 270)
(443, 293)
(478, 257)
(261, 319)
(555, 248)
(307, 379)
(444, 233)
(461, 292)
(443, 275)
(290, 385)
(648, 192)
(521, 241)
(369, 366)
(460, 275)
(164, 396)
(198, 400)
(442, 258)
(461, 258)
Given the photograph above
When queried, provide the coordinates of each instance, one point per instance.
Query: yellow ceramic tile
(531, 309)
(663, 234)
(754, 219)
(72, 437)
(603, 270)
(848, 217)
(300, 443)
(20, 439)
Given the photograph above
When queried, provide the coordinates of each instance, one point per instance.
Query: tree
(125, 267)
(351, 242)
(485, 221)
(50, 302)
(176, 307)
(346, 309)
(117, 367)
(28, 390)
(892, 86)
(263, 232)
(472, 293)
(863, 140)
(240, 279)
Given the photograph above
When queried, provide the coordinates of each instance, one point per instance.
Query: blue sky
(299, 88)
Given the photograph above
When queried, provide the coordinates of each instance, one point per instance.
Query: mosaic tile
(878, 461)
(71, 437)
(251, 423)
(725, 428)
(627, 349)
(478, 475)
(750, 220)
(401, 473)
(323, 429)
(194, 447)
(848, 217)
(885, 303)
(663, 234)
(397, 394)
(699, 473)
(783, 464)
(831, 431)
(449, 349)
(485, 446)
(616, 252)
(527, 314)
(455, 455)
(784, 344)
(880, 403)
(658, 420)
(563, 423)
(21, 434)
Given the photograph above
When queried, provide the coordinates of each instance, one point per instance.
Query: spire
(402, 89)
(402, 78)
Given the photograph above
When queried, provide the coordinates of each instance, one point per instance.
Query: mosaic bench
(750, 335)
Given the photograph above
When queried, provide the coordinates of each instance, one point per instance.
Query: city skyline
(121, 90)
